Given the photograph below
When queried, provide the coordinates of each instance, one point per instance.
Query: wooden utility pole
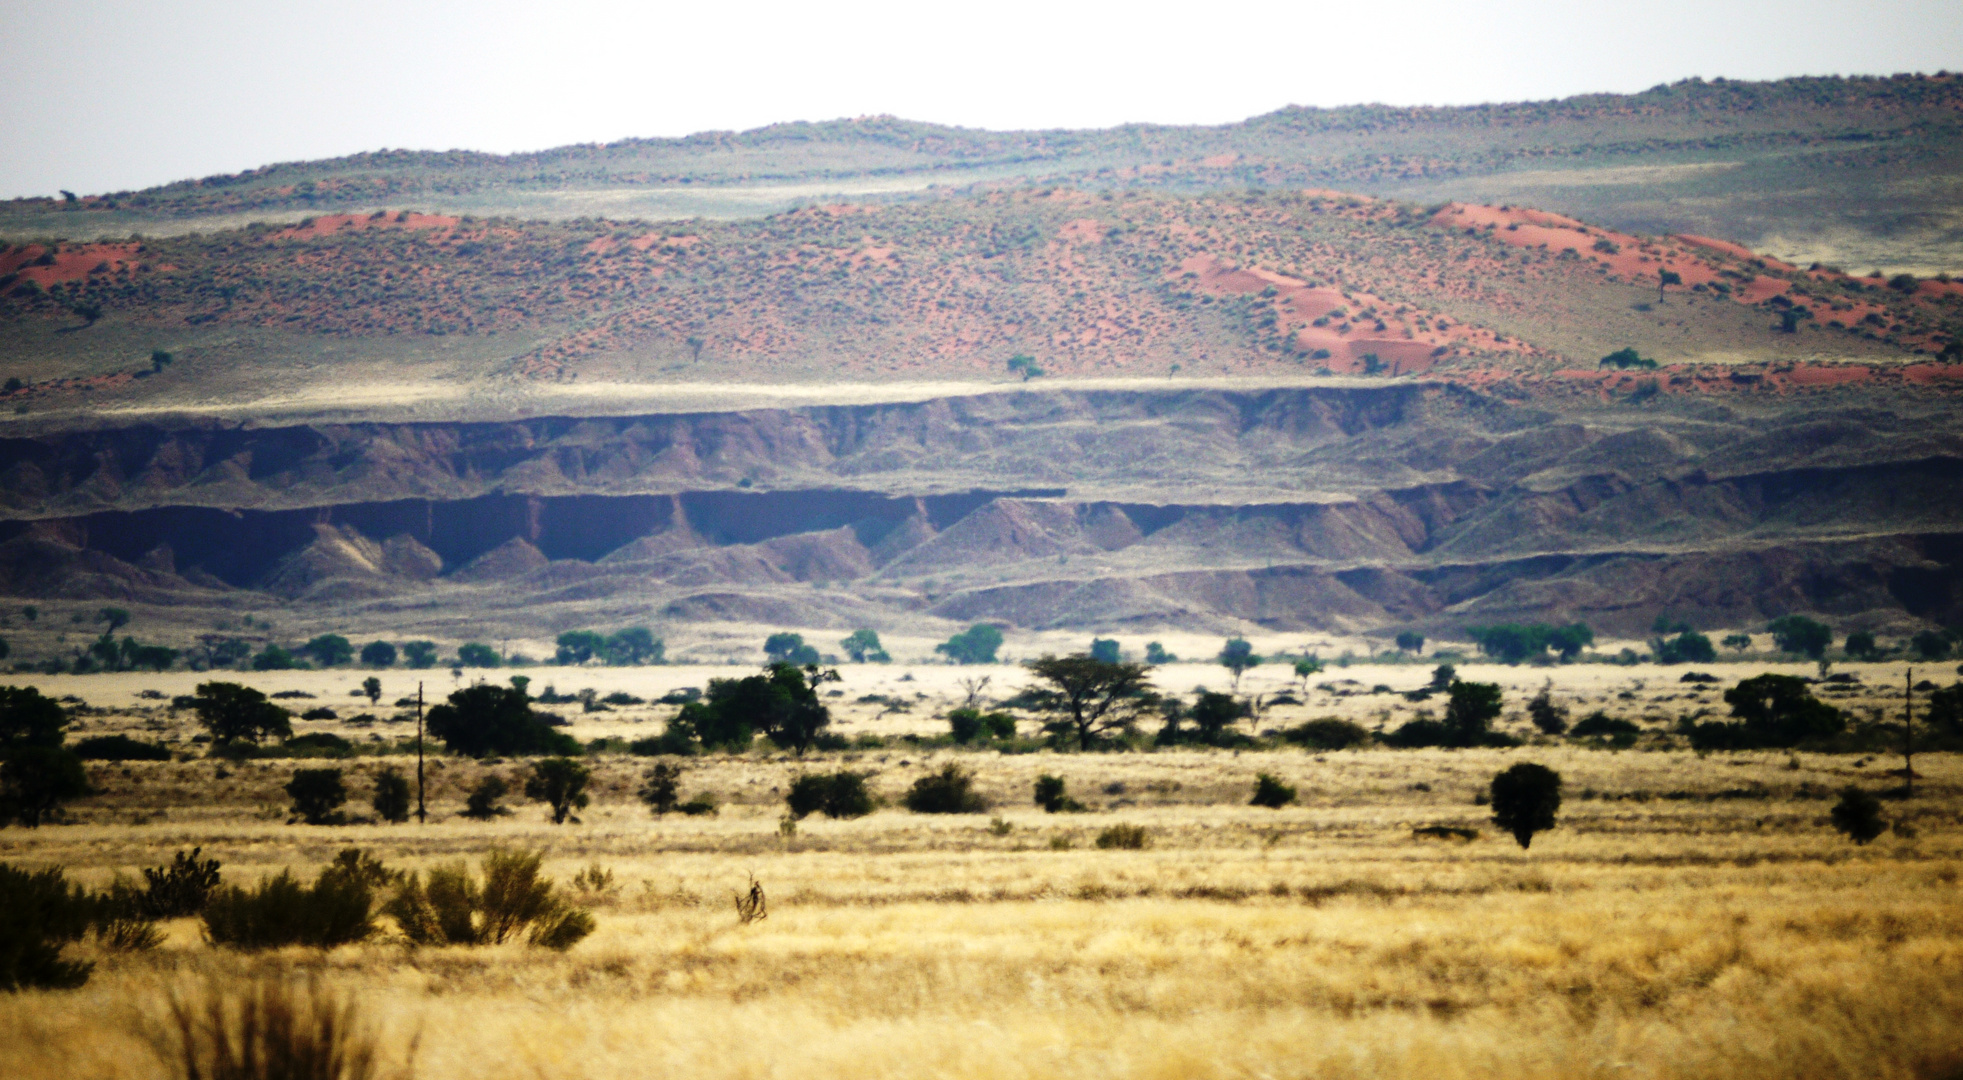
(422, 813)
(1908, 731)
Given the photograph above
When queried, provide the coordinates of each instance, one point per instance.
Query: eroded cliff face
(1306, 508)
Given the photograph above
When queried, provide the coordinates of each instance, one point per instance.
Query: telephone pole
(1908, 732)
(422, 813)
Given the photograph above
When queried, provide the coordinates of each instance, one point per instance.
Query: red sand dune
(1400, 346)
(72, 263)
(329, 224)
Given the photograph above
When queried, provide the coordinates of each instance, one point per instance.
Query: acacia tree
(237, 713)
(37, 773)
(1525, 799)
(1089, 698)
(1238, 656)
(559, 783)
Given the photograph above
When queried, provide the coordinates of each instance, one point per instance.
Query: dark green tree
(1238, 657)
(1932, 644)
(1214, 713)
(372, 688)
(235, 713)
(1770, 711)
(30, 718)
(1688, 647)
(561, 784)
(484, 720)
(330, 650)
(864, 648)
(1411, 641)
(378, 654)
(275, 658)
(1471, 710)
(116, 617)
(36, 780)
(661, 787)
(1525, 799)
(975, 645)
(1799, 634)
(787, 648)
(1861, 645)
(634, 645)
(1088, 699)
(1105, 649)
(318, 795)
(476, 654)
(419, 654)
(579, 646)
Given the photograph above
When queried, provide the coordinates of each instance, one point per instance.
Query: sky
(109, 95)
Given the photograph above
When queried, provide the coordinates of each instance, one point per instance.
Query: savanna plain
(1690, 914)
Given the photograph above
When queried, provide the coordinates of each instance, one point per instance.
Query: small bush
(843, 794)
(698, 807)
(950, 791)
(119, 748)
(182, 888)
(1550, 718)
(337, 909)
(1858, 815)
(1051, 796)
(482, 802)
(1327, 734)
(1270, 792)
(967, 725)
(391, 800)
(1602, 725)
(513, 899)
(661, 788)
(318, 744)
(317, 796)
(1126, 837)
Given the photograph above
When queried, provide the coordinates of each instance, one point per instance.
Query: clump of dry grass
(268, 1029)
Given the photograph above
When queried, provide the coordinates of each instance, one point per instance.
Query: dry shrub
(1127, 837)
(455, 909)
(269, 1029)
(338, 908)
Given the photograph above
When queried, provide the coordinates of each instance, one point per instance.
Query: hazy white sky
(103, 95)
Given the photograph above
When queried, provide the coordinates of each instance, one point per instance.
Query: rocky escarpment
(1328, 508)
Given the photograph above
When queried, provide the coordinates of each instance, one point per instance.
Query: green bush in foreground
(452, 908)
(337, 909)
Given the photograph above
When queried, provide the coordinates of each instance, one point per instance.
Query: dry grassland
(1690, 917)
